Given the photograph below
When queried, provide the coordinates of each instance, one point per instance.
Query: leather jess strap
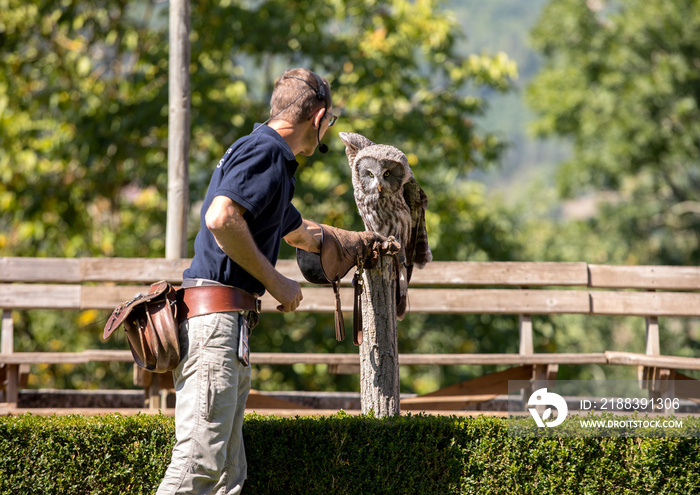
(206, 299)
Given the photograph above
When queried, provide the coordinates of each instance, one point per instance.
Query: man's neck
(292, 134)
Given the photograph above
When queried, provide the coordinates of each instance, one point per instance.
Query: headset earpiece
(321, 91)
(320, 88)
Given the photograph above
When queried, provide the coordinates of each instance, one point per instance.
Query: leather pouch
(151, 324)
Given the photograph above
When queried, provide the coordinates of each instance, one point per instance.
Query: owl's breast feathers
(389, 216)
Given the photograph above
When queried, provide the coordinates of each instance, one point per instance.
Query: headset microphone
(321, 146)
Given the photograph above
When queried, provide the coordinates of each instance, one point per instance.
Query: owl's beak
(379, 187)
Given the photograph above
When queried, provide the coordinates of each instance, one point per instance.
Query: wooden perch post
(379, 352)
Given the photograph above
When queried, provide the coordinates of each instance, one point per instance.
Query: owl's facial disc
(372, 186)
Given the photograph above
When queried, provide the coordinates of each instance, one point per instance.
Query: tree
(84, 123)
(621, 79)
(83, 101)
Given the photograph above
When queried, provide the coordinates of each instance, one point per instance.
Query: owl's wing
(417, 249)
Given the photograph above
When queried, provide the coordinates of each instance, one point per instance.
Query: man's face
(328, 120)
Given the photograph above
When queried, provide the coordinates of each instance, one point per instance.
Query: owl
(391, 203)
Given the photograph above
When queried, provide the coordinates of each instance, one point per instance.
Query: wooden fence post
(379, 352)
(12, 370)
(178, 129)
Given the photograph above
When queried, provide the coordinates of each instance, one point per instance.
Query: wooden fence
(526, 289)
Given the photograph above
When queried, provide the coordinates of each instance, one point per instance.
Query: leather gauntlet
(341, 250)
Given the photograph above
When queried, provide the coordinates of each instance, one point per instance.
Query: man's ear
(318, 117)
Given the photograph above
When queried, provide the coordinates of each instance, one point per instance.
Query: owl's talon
(390, 246)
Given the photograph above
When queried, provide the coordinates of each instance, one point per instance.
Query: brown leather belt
(207, 299)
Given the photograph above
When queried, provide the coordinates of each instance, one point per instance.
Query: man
(246, 212)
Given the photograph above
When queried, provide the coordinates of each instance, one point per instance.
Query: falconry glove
(340, 251)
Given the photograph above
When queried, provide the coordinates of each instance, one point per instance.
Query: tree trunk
(379, 357)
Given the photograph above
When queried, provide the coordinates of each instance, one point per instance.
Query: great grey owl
(391, 203)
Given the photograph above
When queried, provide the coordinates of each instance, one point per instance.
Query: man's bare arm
(224, 219)
(306, 237)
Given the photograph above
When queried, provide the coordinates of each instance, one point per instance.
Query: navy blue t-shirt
(257, 172)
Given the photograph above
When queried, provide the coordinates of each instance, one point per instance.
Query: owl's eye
(387, 173)
(370, 174)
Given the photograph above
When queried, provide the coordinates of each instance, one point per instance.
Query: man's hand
(287, 292)
(343, 249)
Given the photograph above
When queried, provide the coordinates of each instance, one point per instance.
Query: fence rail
(515, 288)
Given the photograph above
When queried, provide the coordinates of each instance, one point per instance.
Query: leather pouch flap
(122, 311)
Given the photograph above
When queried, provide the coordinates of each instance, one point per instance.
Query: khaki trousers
(211, 387)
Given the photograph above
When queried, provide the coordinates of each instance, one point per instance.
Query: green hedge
(344, 455)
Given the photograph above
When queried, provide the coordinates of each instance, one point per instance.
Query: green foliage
(345, 455)
(83, 106)
(83, 136)
(621, 79)
(66, 331)
(81, 99)
(396, 78)
(77, 454)
(503, 26)
(352, 455)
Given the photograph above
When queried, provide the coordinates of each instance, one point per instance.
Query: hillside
(504, 25)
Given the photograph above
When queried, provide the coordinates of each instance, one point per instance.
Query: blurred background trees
(622, 80)
(83, 144)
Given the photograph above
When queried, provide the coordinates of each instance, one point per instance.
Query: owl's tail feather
(422, 254)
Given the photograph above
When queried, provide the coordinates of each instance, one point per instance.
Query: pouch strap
(357, 309)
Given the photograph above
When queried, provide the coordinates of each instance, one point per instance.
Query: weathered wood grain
(506, 359)
(645, 303)
(130, 270)
(667, 362)
(289, 358)
(442, 288)
(498, 301)
(66, 357)
(645, 277)
(532, 274)
(437, 301)
(437, 273)
(261, 358)
(39, 296)
(58, 270)
(108, 296)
